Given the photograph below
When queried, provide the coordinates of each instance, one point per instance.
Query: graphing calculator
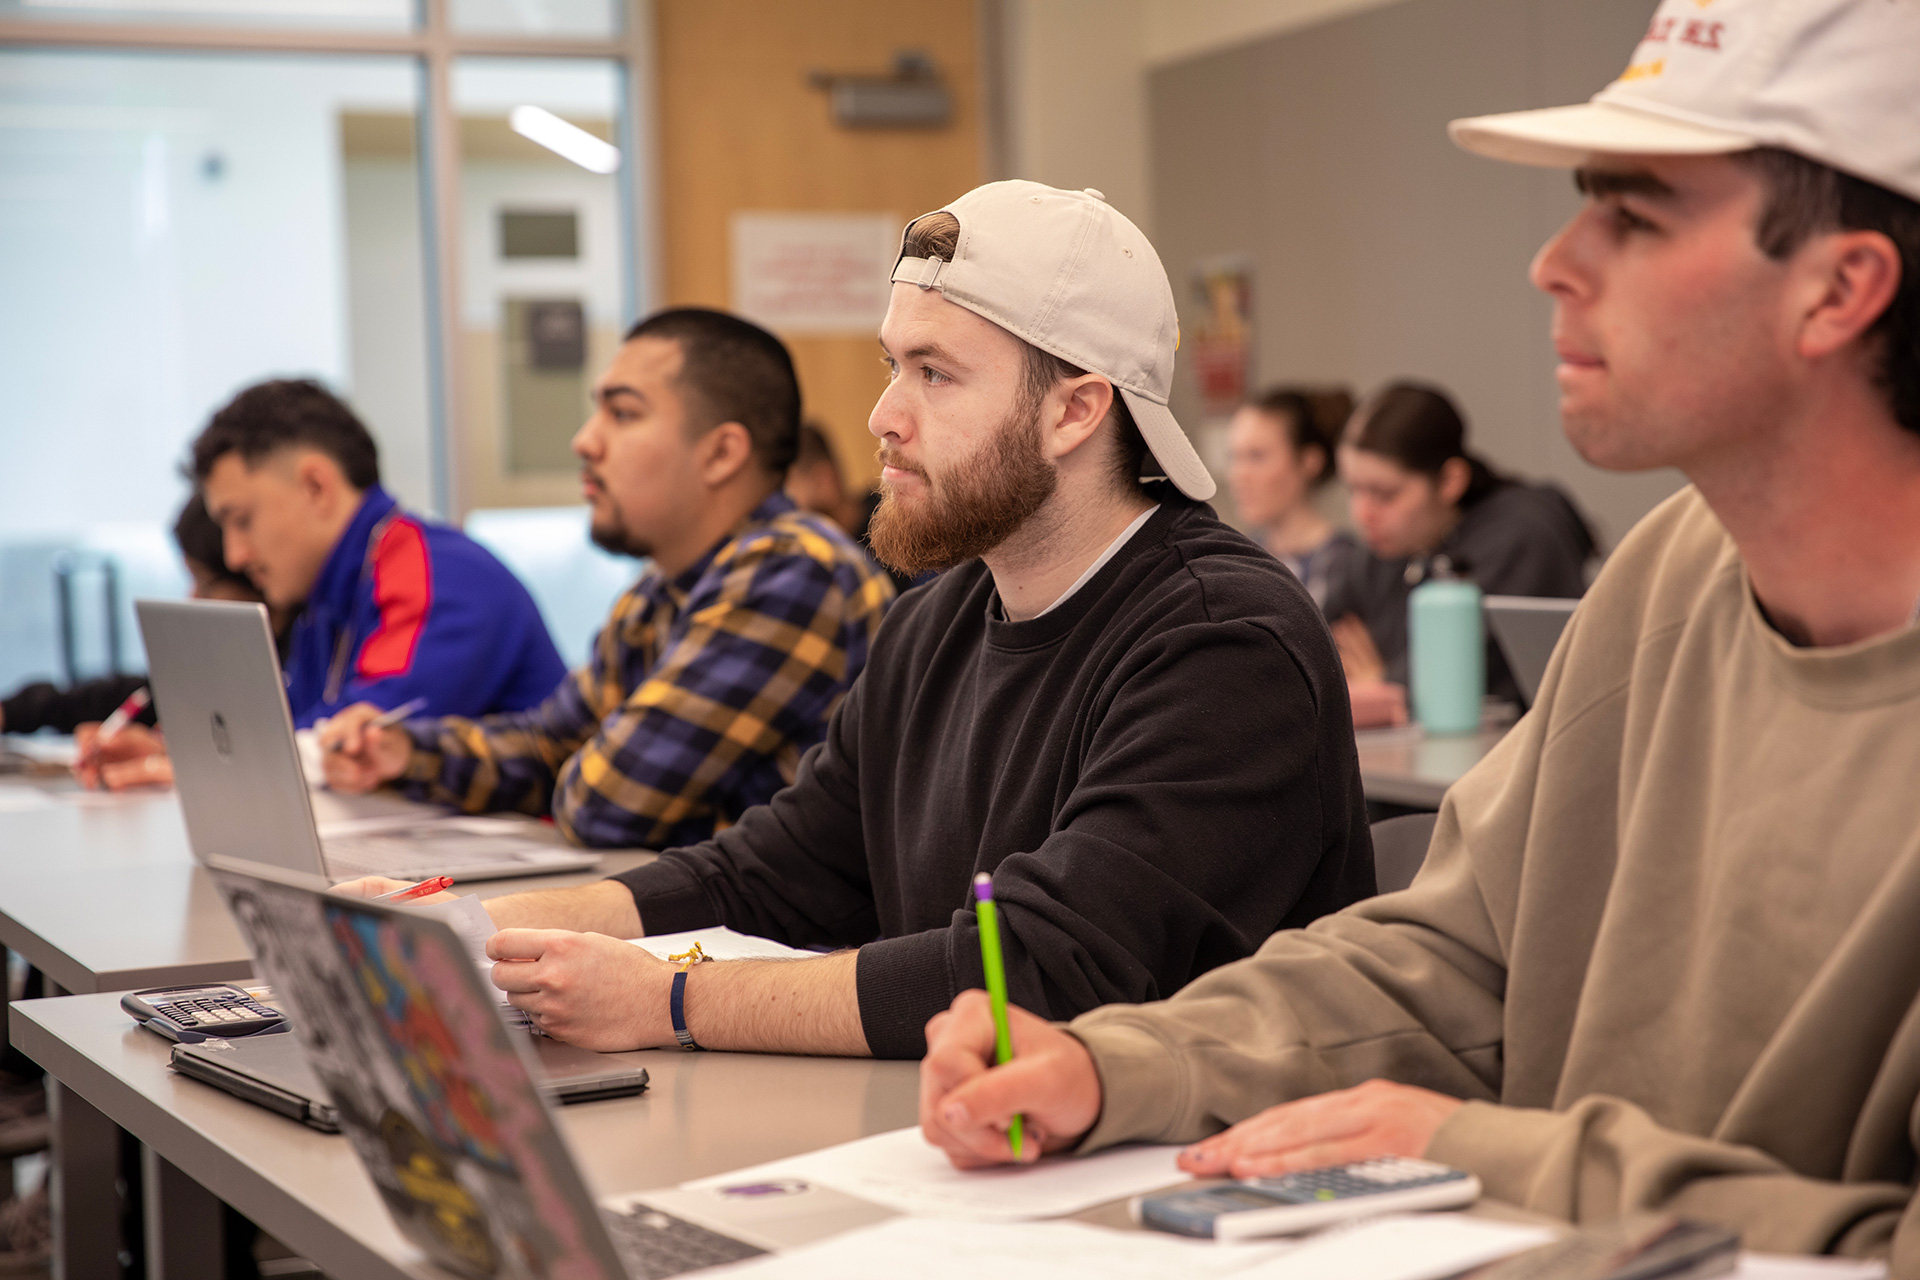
(1308, 1199)
(208, 1011)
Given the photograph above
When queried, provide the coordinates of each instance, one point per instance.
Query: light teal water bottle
(1446, 652)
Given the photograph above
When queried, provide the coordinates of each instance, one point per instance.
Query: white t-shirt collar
(1113, 549)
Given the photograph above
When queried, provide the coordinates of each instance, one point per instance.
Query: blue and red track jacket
(406, 609)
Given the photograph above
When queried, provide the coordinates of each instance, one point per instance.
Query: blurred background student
(1280, 456)
(1418, 495)
(79, 708)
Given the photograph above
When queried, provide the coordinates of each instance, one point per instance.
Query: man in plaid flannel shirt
(722, 664)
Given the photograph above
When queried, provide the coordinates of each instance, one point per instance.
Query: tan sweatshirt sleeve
(1417, 986)
(1602, 1157)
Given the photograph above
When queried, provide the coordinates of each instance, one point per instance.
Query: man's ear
(316, 476)
(722, 453)
(1850, 278)
(1455, 475)
(1083, 403)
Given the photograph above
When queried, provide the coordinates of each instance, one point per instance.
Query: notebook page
(903, 1171)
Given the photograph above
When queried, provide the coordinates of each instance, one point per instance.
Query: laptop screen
(431, 1087)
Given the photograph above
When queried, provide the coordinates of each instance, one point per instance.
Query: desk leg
(184, 1236)
(82, 1178)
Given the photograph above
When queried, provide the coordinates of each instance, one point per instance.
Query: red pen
(122, 716)
(432, 884)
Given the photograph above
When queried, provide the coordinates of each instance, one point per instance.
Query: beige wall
(1380, 250)
(740, 128)
(1174, 30)
(1310, 135)
(1075, 80)
(1076, 88)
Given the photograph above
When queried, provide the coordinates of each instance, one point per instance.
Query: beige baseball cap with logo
(1067, 272)
(1836, 81)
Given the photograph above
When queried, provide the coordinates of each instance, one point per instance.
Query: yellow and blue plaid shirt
(702, 693)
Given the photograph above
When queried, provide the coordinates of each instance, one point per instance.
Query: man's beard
(970, 510)
(612, 535)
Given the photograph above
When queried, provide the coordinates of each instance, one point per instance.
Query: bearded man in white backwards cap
(1123, 711)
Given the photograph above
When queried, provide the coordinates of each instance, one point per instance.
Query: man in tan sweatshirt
(1665, 950)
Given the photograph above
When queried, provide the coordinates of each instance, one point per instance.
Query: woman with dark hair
(1281, 453)
(1418, 495)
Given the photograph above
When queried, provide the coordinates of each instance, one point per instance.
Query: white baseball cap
(1067, 272)
(1836, 81)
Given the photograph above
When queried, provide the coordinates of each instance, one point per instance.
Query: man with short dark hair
(1662, 953)
(723, 662)
(392, 607)
(1120, 709)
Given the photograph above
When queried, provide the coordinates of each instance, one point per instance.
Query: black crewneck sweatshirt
(1157, 774)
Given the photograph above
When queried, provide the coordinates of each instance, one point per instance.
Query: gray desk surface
(705, 1113)
(1409, 767)
(101, 893)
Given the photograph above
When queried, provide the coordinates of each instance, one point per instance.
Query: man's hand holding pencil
(363, 746)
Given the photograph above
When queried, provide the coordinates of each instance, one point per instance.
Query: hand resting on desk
(966, 1103)
(585, 988)
(560, 955)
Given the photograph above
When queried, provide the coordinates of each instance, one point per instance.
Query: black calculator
(1307, 1200)
(206, 1011)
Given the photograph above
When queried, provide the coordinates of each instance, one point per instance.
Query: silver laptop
(1527, 628)
(217, 687)
(437, 1096)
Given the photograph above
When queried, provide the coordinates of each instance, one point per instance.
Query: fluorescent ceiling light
(537, 124)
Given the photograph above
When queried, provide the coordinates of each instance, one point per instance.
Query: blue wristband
(677, 1007)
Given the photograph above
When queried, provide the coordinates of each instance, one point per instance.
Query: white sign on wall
(814, 273)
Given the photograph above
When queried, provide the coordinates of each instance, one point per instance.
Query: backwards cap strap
(921, 271)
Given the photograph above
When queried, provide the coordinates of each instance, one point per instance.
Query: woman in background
(1281, 453)
(1417, 495)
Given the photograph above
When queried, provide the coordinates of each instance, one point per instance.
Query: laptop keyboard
(654, 1245)
(415, 857)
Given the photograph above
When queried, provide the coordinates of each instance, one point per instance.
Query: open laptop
(436, 1095)
(1527, 628)
(217, 686)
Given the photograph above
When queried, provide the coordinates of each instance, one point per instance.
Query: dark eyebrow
(603, 394)
(1601, 183)
(925, 351)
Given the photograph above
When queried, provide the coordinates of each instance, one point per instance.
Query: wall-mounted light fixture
(913, 97)
(565, 139)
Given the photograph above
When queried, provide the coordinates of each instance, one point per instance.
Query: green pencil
(996, 968)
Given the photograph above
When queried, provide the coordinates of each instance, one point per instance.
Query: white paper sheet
(424, 821)
(1773, 1266)
(722, 943)
(942, 1249)
(902, 1171)
(470, 920)
(1410, 1246)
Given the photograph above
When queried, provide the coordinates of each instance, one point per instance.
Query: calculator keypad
(1343, 1182)
(214, 1011)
